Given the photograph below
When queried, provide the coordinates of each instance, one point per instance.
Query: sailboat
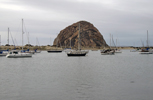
(117, 50)
(108, 51)
(3, 52)
(36, 50)
(17, 53)
(135, 49)
(77, 52)
(146, 50)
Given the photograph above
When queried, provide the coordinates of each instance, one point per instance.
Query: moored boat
(108, 52)
(146, 50)
(3, 53)
(54, 51)
(18, 54)
(78, 52)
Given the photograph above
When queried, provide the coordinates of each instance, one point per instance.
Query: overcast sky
(127, 20)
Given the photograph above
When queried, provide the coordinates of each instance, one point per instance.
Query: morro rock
(89, 36)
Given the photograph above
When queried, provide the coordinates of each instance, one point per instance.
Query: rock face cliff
(89, 36)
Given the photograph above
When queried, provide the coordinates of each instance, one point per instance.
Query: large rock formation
(89, 35)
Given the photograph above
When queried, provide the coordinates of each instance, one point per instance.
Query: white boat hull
(19, 55)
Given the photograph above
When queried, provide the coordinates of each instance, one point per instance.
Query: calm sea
(54, 76)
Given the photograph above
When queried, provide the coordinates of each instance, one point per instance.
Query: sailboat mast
(50, 41)
(147, 39)
(70, 42)
(0, 40)
(28, 38)
(79, 48)
(8, 36)
(110, 40)
(116, 43)
(22, 34)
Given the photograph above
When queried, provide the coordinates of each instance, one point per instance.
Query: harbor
(56, 76)
(76, 50)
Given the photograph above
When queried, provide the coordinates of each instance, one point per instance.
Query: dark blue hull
(76, 54)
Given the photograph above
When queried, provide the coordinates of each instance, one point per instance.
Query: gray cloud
(127, 20)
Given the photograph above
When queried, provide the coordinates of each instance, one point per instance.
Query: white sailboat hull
(77, 53)
(19, 55)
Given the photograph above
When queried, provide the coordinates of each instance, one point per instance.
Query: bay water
(55, 76)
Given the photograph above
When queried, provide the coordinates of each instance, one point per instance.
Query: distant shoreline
(51, 47)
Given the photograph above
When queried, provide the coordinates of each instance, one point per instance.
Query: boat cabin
(14, 52)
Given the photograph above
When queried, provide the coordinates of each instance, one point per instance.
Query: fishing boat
(78, 52)
(17, 53)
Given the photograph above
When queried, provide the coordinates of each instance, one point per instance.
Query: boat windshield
(15, 52)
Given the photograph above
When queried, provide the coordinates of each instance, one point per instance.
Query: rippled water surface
(54, 76)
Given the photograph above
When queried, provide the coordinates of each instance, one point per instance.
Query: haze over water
(50, 76)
